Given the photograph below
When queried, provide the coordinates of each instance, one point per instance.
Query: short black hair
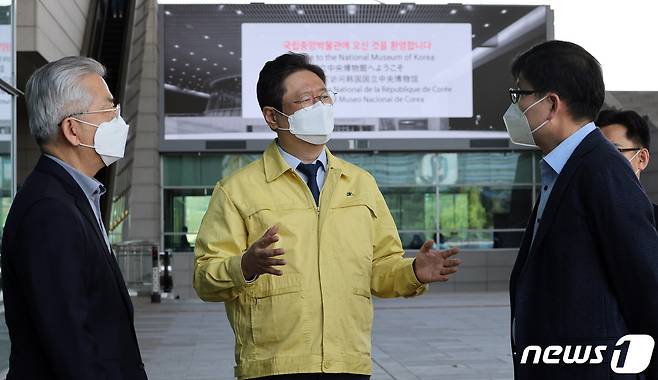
(269, 89)
(637, 127)
(566, 69)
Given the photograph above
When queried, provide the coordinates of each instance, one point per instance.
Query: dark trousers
(317, 376)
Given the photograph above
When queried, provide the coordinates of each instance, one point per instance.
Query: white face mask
(110, 139)
(313, 124)
(518, 126)
(631, 162)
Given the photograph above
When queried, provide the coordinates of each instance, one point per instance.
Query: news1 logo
(638, 350)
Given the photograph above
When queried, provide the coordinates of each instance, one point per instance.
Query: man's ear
(643, 159)
(69, 129)
(271, 117)
(556, 104)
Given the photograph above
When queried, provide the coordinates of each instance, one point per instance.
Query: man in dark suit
(67, 308)
(587, 269)
(629, 132)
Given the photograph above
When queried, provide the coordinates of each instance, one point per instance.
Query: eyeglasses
(327, 97)
(516, 93)
(622, 150)
(116, 110)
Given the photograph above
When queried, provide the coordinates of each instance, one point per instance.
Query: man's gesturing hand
(432, 265)
(260, 259)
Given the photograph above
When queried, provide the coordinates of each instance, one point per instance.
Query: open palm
(432, 265)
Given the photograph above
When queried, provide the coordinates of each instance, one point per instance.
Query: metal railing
(134, 259)
(144, 268)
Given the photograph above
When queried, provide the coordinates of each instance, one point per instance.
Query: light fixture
(198, 69)
(191, 53)
(472, 35)
(453, 11)
(220, 7)
(207, 72)
(231, 52)
(215, 64)
(351, 9)
(172, 69)
(173, 60)
(504, 11)
(486, 25)
(187, 65)
(403, 11)
(168, 13)
(204, 59)
(224, 68)
(176, 46)
(239, 12)
(206, 37)
(300, 12)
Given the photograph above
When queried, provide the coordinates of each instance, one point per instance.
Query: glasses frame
(622, 150)
(320, 98)
(516, 93)
(116, 110)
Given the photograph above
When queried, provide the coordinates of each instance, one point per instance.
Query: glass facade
(475, 200)
(7, 139)
(7, 108)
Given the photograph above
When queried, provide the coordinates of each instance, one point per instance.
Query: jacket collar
(275, 165)
(48, 166)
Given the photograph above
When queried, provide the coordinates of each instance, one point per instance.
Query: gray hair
(55, 92)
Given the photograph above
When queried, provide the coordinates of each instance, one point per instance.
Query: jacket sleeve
(392, 274)
(51, 269)
(221, 241)
(623, 220)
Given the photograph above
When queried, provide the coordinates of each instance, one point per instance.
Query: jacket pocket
(358, 201)
(365, 294)
(289, 217)
(353, 219)
(276, 305)
(358, 324)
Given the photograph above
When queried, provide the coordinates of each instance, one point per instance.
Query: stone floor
(454, 336)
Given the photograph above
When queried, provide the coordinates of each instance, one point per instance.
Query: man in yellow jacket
(296, 243)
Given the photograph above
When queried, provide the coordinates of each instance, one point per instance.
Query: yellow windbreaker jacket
(317, 317)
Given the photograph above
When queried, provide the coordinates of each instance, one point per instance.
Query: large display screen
(378, 70)
(400, 71)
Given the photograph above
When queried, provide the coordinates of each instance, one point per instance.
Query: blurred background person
(630, 133)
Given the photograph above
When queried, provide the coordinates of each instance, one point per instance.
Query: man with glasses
(66, 305)
(629, 132)
(298, 242)
(586, 274)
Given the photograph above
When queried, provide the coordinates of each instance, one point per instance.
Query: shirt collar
(559, 156)
(274, 165)
(294, 161)
(90, 186)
